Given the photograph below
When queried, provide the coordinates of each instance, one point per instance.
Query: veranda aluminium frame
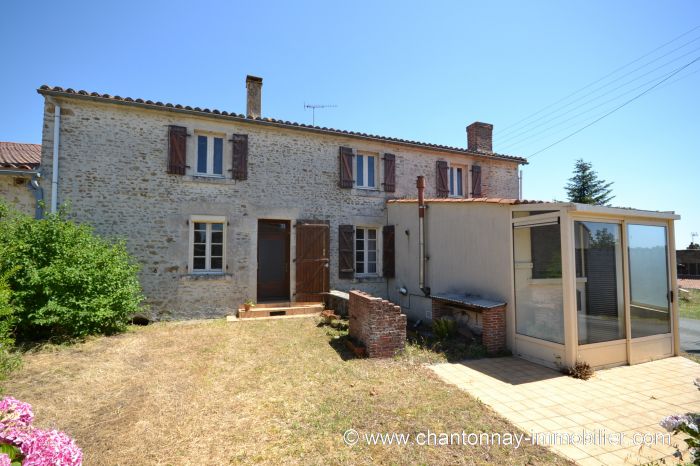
(538, 298)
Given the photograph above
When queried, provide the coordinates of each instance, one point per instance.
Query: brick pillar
(494, 329)
(378, 324)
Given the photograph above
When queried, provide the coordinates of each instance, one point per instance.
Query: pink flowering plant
(687, 424)
(25, 445)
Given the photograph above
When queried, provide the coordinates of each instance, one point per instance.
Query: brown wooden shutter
(177, 150)
(345, 162)
(240, 156)
(476, 181)
(346, 251)
(443, 188)
(388, 251)
(389, 173)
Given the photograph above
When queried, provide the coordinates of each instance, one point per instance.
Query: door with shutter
(273, 260)
(312, 260)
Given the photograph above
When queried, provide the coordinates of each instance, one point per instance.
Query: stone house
(19, 176)
(221, 207)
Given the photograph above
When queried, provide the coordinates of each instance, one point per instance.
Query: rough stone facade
(378, 324)
(112, 171)
(15, 192)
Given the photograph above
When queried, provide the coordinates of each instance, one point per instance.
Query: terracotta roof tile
(450, 200)
(17, 155)
(59, 91)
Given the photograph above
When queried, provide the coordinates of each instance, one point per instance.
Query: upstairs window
(366, 167)
(210, 155)
(365, 251)
(207, 244)
(456, 181)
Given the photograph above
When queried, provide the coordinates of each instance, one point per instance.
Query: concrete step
(276, 311)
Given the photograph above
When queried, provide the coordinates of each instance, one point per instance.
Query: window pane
(217, 227)
(359, 256)
(360, 170)
(198, 263)
(372, 267)
(370, 171)
(217, 237)
(452, 180)
(649, 306)
(539, 304)
(372, 234)
(200, 236)
(601, 315)
(460, 191)
(359, 233)
(217, 250)
(218, 156)
(372, 256)
(199, 250)
(201, 154)
(360, 267)
(545, 243)
(216, 263)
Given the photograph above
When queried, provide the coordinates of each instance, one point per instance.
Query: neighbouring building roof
(59, 91)
(489, 200)
(19, 156)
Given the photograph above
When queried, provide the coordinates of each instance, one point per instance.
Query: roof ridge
(45, 89)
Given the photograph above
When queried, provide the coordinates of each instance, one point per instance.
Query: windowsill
(368, 279)
(553, 281)
(209, 179)
(206, 276)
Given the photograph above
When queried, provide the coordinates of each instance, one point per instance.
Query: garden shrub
(8, 359)
(67, 282)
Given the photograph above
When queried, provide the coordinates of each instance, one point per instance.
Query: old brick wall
(377, 323)
(488, 324)
(17, 196)
(113, 162)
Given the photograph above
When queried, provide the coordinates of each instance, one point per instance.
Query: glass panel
(198, 263)
(360, 170)
(649, 305)
(217, 227)
(199, 250)
(360, 267)
(370, 171)
(217, 237)
(372, 256)
(201, 154)
(372, 234)
(372, 268)
(217, 250)
(216, 263)
(218, 156)
(601, 315)
(460, 191)
(539, 311)
(545, 244)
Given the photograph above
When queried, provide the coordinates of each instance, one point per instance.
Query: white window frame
(378, 249)
(209, 220)
(452, 180)
(210, 154)
(362, 183)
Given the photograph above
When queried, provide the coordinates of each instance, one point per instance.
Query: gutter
(420, 184)
(16, 172)
(54, 163)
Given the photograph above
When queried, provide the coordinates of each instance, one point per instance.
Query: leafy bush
(580, 370)
(8, 359)
(444, 328)
(67, 281)
(687, 424)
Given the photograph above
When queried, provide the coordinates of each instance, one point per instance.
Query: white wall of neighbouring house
(469, 246)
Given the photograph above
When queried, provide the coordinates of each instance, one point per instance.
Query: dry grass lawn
(271, 392)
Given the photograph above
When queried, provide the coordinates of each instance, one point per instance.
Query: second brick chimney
(480, 137)
(253, 85)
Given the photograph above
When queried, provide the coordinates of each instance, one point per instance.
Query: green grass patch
(690, 304)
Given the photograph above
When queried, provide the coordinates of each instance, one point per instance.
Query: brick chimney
(253, 85)
(479, 137)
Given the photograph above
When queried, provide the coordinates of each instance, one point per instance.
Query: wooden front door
(313, 256)
(273, 260)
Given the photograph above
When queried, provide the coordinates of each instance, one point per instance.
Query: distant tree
(586, 188)
(694, 245)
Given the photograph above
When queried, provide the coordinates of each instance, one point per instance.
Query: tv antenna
(313, 108)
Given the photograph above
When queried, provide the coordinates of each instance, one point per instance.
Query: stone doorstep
(304, 309)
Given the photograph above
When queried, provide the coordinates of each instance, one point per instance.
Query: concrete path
(690, 335)
(613, 418)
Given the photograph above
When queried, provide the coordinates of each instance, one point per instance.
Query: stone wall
(14, 191)
(113, 161)
(378, 324)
